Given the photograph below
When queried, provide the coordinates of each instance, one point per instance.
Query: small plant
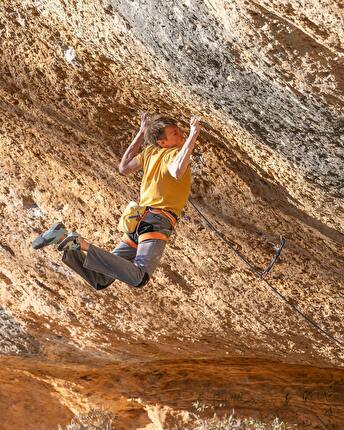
(232, 423)
(200, 406)
(95, 419)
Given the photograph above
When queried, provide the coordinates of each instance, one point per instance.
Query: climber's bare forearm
(128, 163)
(179, 165)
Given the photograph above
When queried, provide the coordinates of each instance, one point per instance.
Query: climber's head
(164, 131)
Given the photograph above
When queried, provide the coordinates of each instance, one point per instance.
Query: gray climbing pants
(101, 268)
(134, 266)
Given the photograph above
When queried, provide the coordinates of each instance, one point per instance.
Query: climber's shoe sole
(50, 237)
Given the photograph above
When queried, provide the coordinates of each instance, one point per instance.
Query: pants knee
(99, 287)
(144, 281)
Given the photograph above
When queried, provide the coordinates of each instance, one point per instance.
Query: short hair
(155, 129)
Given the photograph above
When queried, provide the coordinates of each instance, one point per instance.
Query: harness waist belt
(171, 216)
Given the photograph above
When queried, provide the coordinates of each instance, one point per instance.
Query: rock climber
(165, 189)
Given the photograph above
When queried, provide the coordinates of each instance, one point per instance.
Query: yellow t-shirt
(159, 188)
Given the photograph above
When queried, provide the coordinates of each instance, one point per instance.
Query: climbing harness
(142, 230)
(263, 273)
(134, 213)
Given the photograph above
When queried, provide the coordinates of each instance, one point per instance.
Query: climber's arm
(180, 163)
(130, 163)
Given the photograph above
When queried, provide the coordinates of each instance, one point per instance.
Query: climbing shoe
(70, 242)
(52, 236)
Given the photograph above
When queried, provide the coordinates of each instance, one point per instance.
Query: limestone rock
(267, 79)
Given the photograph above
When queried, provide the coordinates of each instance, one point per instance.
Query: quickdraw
(260, 273)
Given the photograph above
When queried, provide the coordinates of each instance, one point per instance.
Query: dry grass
(233, 423)
(95, 419)
(103, 420)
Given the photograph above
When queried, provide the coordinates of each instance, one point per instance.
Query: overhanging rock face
(268, 67)
(267, 80)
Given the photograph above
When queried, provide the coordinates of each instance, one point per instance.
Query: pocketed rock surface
(205, 335)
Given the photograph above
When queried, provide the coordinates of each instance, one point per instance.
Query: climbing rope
(262, 274)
